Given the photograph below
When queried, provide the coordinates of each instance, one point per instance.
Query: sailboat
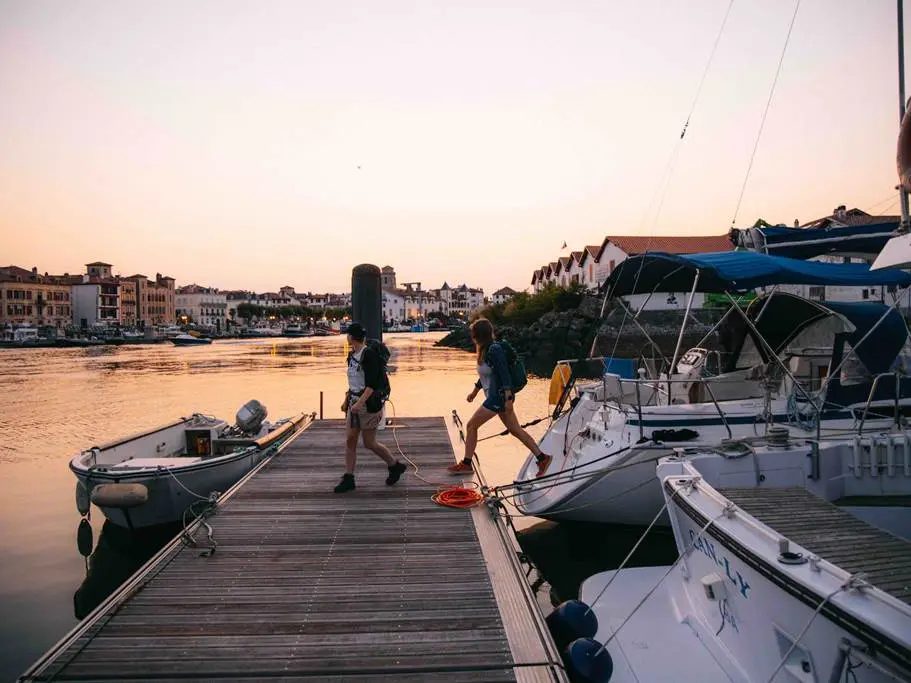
(794, 555)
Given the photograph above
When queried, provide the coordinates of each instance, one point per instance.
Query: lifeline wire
(765, 113)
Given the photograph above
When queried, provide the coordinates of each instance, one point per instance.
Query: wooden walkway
(380, 584)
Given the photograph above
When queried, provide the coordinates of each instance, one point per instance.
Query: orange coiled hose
(457, 497)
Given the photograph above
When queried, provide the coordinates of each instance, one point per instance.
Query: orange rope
(457, 496)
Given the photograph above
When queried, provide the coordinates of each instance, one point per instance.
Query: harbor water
(56, 402)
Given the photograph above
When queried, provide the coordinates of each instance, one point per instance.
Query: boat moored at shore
(153, 477)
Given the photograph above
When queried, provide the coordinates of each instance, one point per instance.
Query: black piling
(367, 299)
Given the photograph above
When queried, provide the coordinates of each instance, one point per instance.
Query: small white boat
(795, 565)
(189, 340)
(153, 477)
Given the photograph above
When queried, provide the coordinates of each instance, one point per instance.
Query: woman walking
(499, 399)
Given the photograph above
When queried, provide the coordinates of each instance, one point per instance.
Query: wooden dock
(380, 584)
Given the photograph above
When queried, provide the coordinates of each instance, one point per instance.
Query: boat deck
(380, 584)
(832, 534)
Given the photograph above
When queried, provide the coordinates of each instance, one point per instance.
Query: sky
(250, 145)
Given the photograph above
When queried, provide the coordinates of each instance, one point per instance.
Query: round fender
(82, 498)
(84, 540)
(571, 620)
(120, 495)
(587, 662)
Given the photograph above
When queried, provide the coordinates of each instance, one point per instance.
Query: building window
(818, 292)
(865, 293)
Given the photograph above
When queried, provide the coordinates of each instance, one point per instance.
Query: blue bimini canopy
(804, 243)
(738, 271)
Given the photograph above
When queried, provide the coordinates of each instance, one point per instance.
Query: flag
(564, 246)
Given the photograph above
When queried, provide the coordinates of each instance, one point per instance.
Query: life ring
(903, 153)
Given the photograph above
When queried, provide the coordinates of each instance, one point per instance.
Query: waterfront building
(204, 306)
(393, 306)
(28, 298)
(128, 304)
(592, 265)
(842, 217)
(501, 296)
(155, 300)
(411, 301)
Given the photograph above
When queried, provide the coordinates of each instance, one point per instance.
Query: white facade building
(393, 306)
(205, 306)
(593, 265)
(410, 301)
(96, 303)
(501, 296)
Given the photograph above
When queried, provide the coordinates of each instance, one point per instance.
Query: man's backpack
(517, 375)
(382, 352)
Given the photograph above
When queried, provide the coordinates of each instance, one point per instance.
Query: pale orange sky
(218, 141)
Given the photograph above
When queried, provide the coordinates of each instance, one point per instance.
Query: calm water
(55, 402)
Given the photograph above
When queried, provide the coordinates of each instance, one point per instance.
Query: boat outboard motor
(251, 415)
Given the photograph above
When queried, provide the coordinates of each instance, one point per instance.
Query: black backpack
(382, 352)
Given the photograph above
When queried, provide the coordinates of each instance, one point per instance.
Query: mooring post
(367, 299)
(321, 405)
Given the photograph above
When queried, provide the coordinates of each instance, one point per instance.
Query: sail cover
(737, 271)
(805, 243)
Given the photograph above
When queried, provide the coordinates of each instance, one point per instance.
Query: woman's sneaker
(461, 467)
(346, 484)
(543, 461)
(395, 472)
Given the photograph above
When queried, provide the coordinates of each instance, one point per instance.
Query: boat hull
(608, 476)
(173, 489)
(171, 492)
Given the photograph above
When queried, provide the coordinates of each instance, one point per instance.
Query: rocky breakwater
(569, 334)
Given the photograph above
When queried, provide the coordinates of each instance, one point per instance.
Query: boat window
(853, 371)
(749, 355)
(817, 338)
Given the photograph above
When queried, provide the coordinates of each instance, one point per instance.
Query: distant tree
(246, 311)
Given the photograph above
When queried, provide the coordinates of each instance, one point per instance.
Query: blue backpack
(517, 374)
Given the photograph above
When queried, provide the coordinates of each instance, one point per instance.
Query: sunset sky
(243, 144)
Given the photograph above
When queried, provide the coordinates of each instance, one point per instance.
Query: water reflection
(117, 556)
(56, 402)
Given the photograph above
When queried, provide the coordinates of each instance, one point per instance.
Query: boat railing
(872, 394)
(656, 387)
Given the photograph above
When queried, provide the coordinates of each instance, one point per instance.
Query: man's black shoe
(346, 484)
(395, 472)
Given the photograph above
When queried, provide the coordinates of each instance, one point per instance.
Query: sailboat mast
(903, 196)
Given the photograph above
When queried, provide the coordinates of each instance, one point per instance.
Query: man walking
(363, 406)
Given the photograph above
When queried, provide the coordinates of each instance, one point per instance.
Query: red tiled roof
(672, 244)
(505, 290)
(576, 256)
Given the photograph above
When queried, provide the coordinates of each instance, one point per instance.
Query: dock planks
(380, 584)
